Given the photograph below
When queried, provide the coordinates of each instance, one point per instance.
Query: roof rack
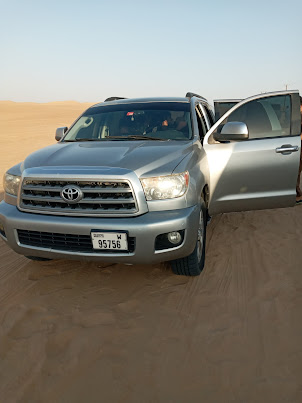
(192, 94)
(113, 99)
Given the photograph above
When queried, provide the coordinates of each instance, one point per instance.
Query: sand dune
(26, 127)
(77, 332)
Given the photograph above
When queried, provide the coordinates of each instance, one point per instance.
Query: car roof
(143, 100)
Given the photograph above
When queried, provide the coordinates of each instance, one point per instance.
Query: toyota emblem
(71, 194)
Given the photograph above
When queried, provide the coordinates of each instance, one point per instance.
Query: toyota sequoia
(136, 180)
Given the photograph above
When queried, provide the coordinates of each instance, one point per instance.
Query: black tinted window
(222, 107)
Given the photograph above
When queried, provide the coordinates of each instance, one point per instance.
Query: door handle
(287, 149)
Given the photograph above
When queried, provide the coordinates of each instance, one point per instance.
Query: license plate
(109, 240)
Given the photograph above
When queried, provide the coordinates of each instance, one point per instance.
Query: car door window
(264, 117)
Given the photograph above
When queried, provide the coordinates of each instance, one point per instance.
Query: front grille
(66, 242)
(98, 197)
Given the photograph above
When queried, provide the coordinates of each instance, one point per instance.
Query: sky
(89, 50)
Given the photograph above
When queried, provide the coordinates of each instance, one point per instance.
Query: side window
(201, 124)
(264, 117)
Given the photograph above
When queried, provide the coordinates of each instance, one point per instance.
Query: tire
(38, 259)
(193, 264)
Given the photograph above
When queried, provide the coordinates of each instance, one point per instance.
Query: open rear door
(259, 171)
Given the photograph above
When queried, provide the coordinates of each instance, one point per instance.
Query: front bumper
(144, 229)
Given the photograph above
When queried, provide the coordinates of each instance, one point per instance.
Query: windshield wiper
(76, 140)
(131, 137)
(134, 137)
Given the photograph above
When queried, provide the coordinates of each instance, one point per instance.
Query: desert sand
(90, 332)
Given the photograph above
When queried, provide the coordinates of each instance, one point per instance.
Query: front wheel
(193, 264)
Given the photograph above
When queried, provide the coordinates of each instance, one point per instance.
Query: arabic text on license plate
(109, 240)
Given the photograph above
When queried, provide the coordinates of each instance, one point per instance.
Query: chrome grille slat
(99, 197)
(92, 184)
(75, 207)
(85, 189)
(44, 188)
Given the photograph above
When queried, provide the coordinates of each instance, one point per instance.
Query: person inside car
(158, 121)
(165, 121)
(181, 124)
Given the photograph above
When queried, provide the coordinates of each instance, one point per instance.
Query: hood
(145, 158)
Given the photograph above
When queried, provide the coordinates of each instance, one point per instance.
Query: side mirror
(60, 133)
(232, 131)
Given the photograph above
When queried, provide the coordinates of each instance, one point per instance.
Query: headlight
(11, 184)
(165, 187)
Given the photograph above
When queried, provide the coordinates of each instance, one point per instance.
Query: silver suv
(135, 180)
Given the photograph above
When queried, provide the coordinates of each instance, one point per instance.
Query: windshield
(133, 121)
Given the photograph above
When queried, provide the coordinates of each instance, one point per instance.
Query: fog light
(174, 237)
(164, 241)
